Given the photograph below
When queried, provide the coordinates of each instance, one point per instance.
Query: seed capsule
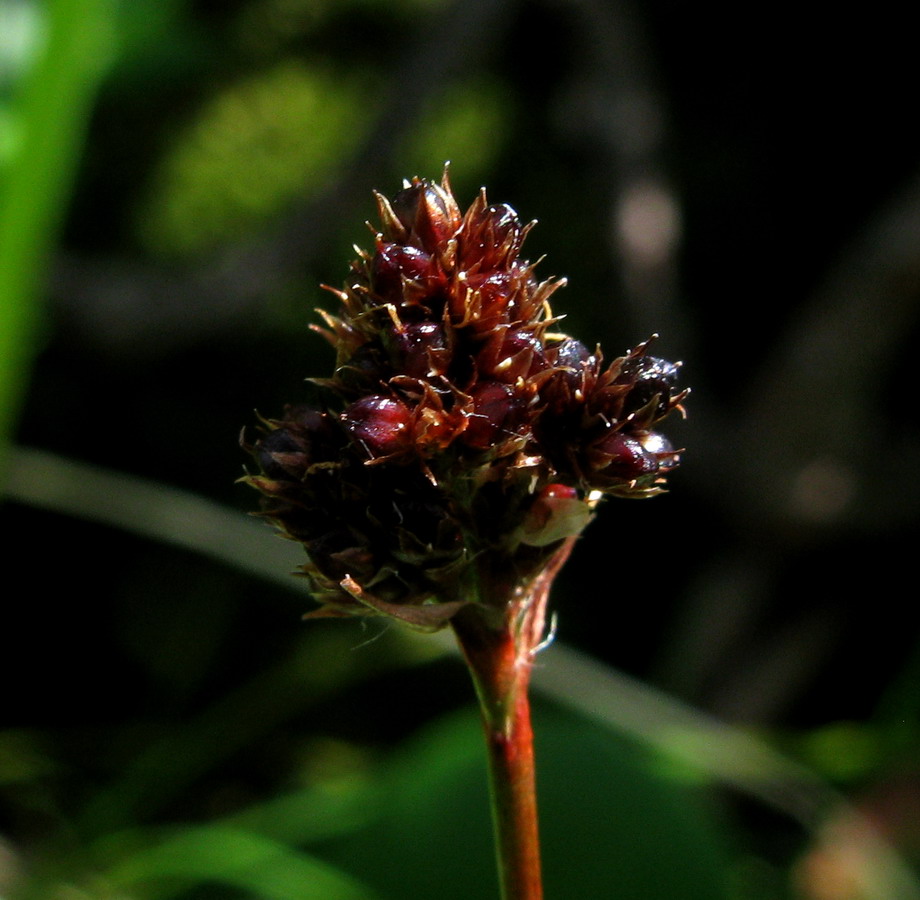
(497, 413)
(624, 458)
(428, 211)
(493, 238)
(381, 426)
(419, 349)
(649, 376)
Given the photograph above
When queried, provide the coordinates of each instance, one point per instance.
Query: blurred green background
(740, 717)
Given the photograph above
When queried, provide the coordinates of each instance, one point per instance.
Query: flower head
(460, 432)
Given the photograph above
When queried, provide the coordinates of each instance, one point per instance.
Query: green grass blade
(46, 122)
(219, 855)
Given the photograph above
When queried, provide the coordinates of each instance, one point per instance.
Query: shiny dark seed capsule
(381, 426)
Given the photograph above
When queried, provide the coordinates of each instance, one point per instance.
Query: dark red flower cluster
(460, 430)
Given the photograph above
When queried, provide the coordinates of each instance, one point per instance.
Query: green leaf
(217, 854)
(612, 825)
(45, 124)
(330, 809)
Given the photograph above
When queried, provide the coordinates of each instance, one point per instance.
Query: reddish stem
(499, 643)
(502, 689)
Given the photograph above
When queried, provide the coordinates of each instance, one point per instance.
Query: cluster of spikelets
(461, 433)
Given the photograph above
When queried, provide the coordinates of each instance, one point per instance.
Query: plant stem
(501, 686)
(499, 643)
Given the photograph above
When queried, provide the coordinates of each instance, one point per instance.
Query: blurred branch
(817, 412)
(813, 450)
(614, 103)
(811, 455)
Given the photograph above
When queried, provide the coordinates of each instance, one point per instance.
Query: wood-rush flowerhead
(461, 434)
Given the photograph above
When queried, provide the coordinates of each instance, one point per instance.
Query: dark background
(743, 181)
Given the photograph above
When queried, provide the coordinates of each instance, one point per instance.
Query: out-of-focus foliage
(255, 149)
(276, 139)
(51, 57)
(177, 178)
(469, 122)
